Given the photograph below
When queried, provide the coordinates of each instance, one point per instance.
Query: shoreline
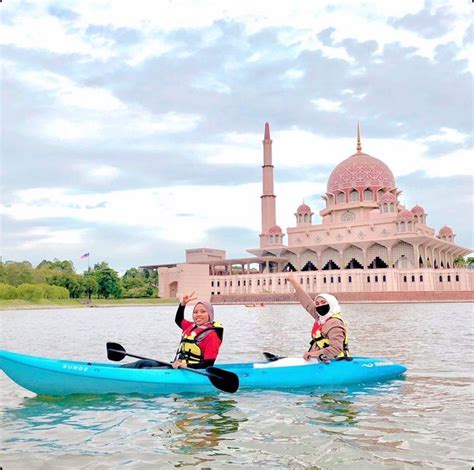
(34, 306)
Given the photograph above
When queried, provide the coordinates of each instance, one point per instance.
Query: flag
(85, 255)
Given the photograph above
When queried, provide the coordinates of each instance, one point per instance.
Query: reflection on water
(203, 423)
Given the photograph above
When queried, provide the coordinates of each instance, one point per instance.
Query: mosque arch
(306, 257)
(330, 200)
(353, 258)
(309, 266)
(291, 257)
(368, 195)
(173, 288)
(380, 193)
(289, 268)
(377, 256)
(348, 216)
(354, 195)
(341, 198)
(403, 255)
(330, 259)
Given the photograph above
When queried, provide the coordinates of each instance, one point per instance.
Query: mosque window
(384, 278)
(413, 279)
(449, 278)
(350, 279)
(457, 277)
(269, 282)
(230, 283)
(324, 279)
(440, 278)
(332, 280)
(348, 216)
(421, 278)
(341, 198)
(339, 279)
(404, 279)
(368, 278)
(238, 283)
(368, 195)
(279, 281)
(225, 283)
(250, 283)
(376, 279)
(379, 194)
(354, 195)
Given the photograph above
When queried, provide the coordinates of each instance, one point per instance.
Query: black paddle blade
(271, 357)
(115, 352)
(223, 379)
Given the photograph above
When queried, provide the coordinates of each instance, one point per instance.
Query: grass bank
(19, 304)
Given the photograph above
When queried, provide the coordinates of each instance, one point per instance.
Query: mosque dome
(405, 215)
(388, 197)
(275, 230)
(446, 231)
(418, 210)
(360, 170)
(304, 209)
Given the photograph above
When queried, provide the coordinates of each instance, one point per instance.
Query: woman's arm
(305, 300)
(179, 315)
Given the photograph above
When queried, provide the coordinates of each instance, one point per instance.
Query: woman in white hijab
(329, 336)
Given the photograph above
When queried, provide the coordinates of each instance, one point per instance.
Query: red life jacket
(189, 350)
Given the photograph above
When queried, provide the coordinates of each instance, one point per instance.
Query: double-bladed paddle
(220, 378)
(272, 357)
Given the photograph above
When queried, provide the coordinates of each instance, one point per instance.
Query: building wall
(189, 278)
(354, 280)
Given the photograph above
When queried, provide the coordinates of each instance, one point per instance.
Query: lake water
(424, 421)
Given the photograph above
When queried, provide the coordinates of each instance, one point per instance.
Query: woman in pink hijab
(201, 338)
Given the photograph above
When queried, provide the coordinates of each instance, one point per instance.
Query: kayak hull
(45, 376)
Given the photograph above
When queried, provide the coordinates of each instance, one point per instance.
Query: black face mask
(323, 309)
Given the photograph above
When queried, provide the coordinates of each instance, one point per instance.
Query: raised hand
(292, 279)
(188, 298)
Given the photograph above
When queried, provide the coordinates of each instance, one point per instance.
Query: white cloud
(295, 148)
(45, 238)
(330, 106)
(448, 135)
(103, 173)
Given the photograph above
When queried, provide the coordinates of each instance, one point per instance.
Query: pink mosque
(368, 247)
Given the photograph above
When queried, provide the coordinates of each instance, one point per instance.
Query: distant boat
(261, 304)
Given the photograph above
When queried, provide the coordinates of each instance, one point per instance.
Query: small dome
(374, 214)
(418, 210)
(360, 169)
(405, 215)
(388, 197)
(446, 231)
(275, 230)
(304, 209)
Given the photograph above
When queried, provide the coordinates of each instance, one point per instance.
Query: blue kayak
(45, 376)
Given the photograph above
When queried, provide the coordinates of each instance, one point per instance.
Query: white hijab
(333, 307)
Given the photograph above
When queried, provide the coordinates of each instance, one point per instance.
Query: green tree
(460, 262)
(108, 281)
(89, 284)
(133, 278)
(18, 272)
(71, 281)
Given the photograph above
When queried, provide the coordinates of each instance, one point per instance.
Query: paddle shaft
(166, 364)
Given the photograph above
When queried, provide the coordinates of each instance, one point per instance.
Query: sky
(133, 130)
